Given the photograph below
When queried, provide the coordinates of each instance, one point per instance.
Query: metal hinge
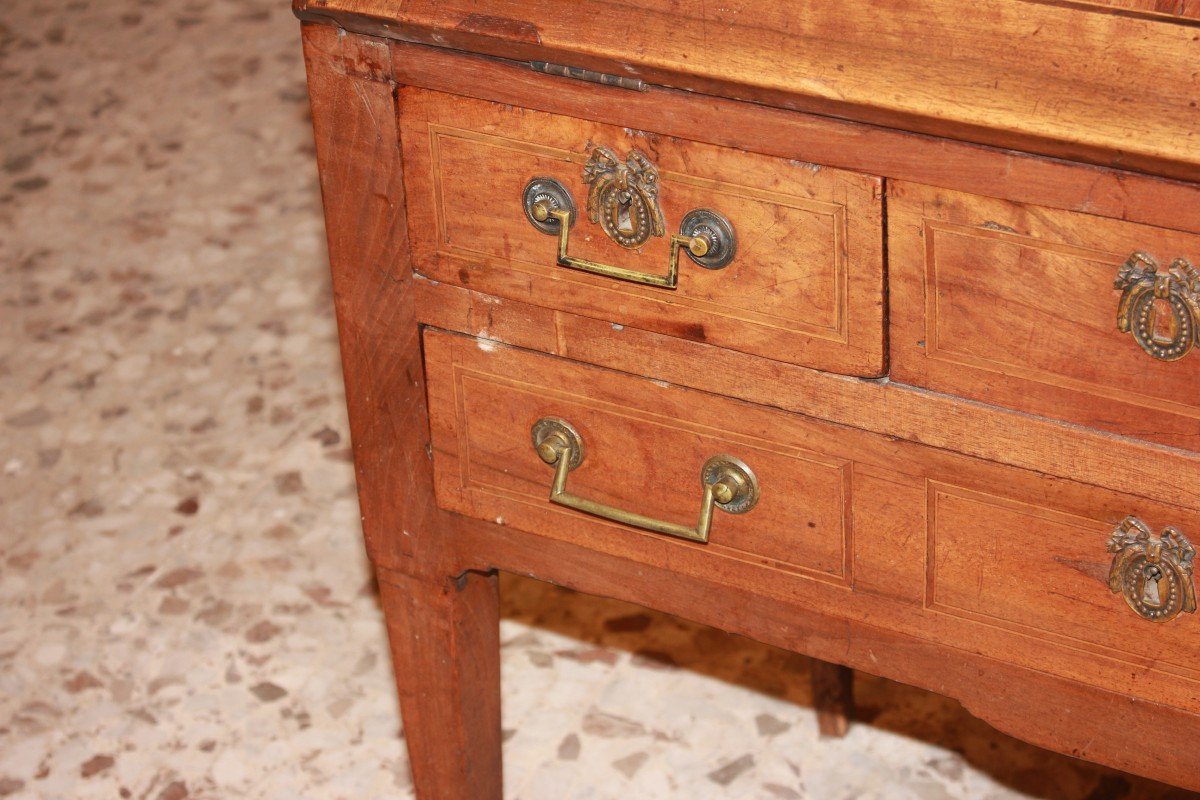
(591, 76)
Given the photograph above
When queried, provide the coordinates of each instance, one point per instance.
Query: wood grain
(1014, 305)
(891, 409)
(641, 456)
(953, 545)
(1104, 727)
(1005, 562)
(361, 184)
(444, 633)
(445, 642)
(806, 285)
(986, 171)
(1064, 81)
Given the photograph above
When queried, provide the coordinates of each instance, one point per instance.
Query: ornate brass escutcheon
(1153, 573)
(623, 201)
(727, 483)
(1161, 310)
(624, 196)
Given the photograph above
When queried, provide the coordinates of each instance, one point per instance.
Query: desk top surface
(1111, 84)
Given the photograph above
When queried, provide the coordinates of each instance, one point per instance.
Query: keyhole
(1164, 327)
(624, 221)
(1150, 595)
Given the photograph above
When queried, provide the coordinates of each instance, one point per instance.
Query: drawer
(643, 447)
(1018, 305)
(804, 278)
(965, 553)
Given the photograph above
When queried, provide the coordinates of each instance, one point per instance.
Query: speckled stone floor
(185, 609)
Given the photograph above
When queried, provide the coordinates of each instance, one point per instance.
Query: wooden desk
(860, 329)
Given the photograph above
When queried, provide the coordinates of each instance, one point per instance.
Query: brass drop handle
(623, 201)
(697, 246)
(1147, 295)
(1153, 573)
(727, 483)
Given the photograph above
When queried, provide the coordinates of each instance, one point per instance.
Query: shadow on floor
(658, 640)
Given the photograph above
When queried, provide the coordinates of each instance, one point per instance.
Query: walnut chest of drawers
(860, 328)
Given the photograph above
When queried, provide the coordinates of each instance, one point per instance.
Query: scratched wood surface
(1014, 305)
(1073, 81)
(806, 283)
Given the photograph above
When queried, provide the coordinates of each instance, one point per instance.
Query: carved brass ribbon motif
(624, 197)
(1148, 295)
(1153, 573)
(623, 201)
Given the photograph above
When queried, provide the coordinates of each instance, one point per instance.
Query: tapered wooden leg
(833, 697)
(445, 641)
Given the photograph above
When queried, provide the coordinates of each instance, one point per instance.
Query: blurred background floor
(185, 608)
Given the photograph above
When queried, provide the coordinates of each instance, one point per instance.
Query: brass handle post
(726, 482)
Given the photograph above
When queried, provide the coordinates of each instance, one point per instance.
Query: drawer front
(1018, 306)
(1039, 565)
(643, 451)
(805, 282)
(970, 554)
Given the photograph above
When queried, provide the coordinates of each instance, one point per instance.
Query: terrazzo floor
(185, 608)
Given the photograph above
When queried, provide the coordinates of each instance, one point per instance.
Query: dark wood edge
(1186, 20)
(833, 697)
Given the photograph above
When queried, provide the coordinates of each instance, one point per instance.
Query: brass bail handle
(727, 484)
(705, 236)
(698, 245)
